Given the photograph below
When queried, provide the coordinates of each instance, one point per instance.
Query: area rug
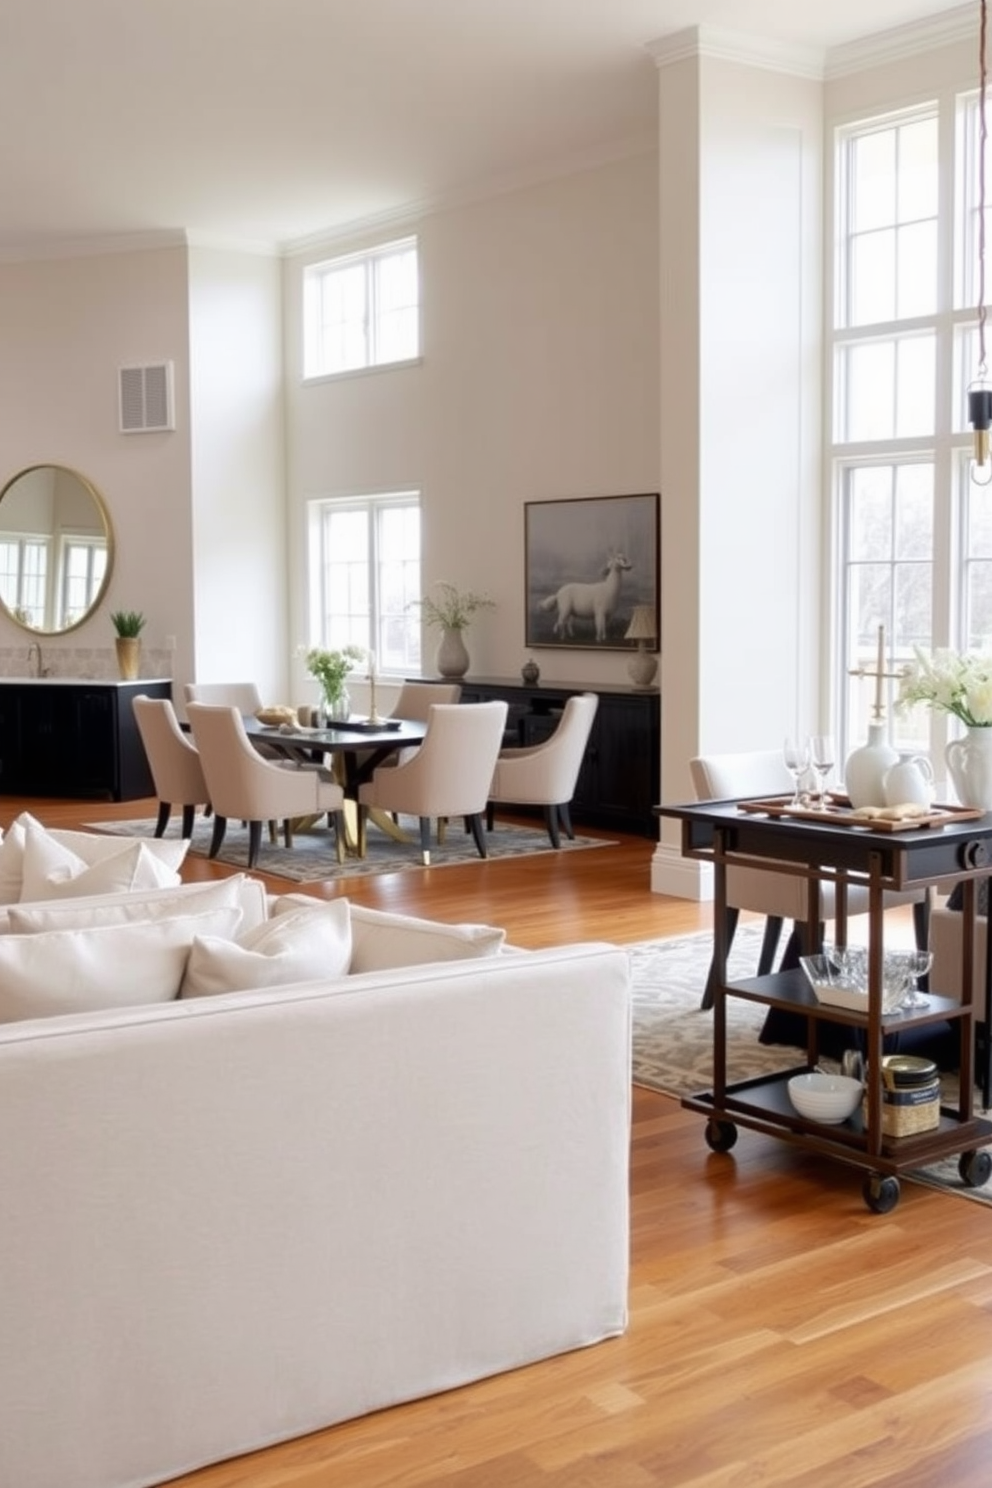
(673, 1037)
(313, 857)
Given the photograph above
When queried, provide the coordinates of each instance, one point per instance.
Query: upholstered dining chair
(173, 760)
(778, 896)
(415, 701)
(545, 774)
(244, 696)
(448, 775)
(249, 788)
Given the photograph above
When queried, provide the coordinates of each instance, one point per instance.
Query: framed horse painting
(589, 562)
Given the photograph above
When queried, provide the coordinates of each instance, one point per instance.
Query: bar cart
(949, 845)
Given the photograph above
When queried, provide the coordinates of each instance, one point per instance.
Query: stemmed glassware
(918, 963)
(821, 759)
(795, 753)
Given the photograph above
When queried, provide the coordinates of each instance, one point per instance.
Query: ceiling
(266, 122)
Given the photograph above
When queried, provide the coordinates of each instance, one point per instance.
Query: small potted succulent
(128, 625)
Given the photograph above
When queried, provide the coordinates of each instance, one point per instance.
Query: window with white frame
(364, 563)
(362, 310)
(24, 569)
(913, 535)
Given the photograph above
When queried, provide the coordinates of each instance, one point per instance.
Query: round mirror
(56, 549)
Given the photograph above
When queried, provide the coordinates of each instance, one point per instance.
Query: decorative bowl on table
(827, 1098)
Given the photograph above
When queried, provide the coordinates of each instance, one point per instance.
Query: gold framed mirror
(56, 549)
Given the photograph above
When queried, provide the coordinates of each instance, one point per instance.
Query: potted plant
(451, 612)
(331, 669)
(128, 625)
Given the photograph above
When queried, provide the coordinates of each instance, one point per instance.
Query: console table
(61, 736)
(619, 783)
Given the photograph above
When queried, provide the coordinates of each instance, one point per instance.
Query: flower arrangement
(951, 681)
(452, 609)
(332, 667)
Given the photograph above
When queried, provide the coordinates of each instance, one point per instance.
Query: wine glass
(795, 752)
(821, 758)
(918, 963)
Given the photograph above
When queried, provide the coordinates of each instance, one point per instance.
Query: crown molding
(719, 44)
(29, 251)
(885, 47)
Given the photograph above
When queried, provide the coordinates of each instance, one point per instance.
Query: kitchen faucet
(34, 660)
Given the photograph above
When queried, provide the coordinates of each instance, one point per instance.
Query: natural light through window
(362, 310)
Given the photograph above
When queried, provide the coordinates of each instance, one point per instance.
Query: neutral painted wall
(539, 381)
(68, 325)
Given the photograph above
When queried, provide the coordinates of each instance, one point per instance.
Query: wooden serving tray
(840, 812)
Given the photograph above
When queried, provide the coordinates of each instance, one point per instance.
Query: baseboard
(682, 878)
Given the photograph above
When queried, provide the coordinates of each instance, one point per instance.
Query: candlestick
(373, 713)
(879, 672)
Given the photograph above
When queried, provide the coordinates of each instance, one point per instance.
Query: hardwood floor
(780, 1333)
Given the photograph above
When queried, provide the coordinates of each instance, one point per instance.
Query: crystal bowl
(827, 1098)
(847, 970)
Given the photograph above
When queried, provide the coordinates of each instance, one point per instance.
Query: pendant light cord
(982, 138)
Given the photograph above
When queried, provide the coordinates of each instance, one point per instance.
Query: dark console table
(619, 783)
(67, 737)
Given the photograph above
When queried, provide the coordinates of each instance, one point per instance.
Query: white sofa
(231, 1220)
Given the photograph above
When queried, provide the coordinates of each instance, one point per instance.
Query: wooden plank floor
(780, 1333)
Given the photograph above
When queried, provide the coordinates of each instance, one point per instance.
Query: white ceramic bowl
(827, 1098)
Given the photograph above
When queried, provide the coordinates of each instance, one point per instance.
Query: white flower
(951, 682)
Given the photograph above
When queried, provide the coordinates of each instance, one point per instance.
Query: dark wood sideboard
(74, 738)
(620, 780)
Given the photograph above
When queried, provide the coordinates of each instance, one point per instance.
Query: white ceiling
(269, 121)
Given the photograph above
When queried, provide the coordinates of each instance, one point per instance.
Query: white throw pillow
(237, 892)
(52, 871)
(93, 847)
(307, 945)
(381, 941)
(110, 966)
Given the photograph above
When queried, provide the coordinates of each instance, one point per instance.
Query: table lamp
(642, 666)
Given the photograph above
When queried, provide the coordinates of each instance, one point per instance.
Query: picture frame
(588, 561)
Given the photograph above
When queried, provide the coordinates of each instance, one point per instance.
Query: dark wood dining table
(357, 746)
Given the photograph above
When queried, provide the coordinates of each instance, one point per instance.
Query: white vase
(452, 658)
(909, 780)
(867, 767)
(969, 763)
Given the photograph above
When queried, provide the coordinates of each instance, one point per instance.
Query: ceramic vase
(969, 764)
(452, 658)
(128, 656)
(867, 767)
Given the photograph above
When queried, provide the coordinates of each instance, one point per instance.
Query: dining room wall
(538, 382)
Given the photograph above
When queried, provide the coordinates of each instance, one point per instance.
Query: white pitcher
(969, 761)
(910, 779)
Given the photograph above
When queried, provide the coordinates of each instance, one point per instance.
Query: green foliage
(128, 623)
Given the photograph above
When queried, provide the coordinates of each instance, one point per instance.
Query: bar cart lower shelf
(763, 1105)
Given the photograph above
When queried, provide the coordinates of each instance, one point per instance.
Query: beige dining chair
(545, 774)
(173, 760)
(448, 775)
(778, 896)
(246, 787)
(244, 696)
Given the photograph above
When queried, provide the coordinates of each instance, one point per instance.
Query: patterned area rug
(673, 1038)
(312, 855)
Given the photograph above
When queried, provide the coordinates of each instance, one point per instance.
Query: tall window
(24, 577)
(362, 310)
(364, 558)
(913, 535)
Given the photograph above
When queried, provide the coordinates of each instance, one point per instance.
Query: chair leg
(478, 833)
(709, 991)
(551, 822)
(769, 944)
(565, 817)
(425, 840)
(164, 811)
(490, 815)
(287, 833)
(189, 814)
(442, 829)
(339, 832)
(217, 835)
(254, 842)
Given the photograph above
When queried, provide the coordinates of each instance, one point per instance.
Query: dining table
(357, 747)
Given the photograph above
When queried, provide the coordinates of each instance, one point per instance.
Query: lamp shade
(641, 627)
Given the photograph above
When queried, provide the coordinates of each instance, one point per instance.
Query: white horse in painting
(596, 602)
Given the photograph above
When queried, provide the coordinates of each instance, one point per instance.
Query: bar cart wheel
(975, 1167)
(881, 1192)
(720, 1135)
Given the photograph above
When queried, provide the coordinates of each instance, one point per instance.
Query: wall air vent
(146, 399)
